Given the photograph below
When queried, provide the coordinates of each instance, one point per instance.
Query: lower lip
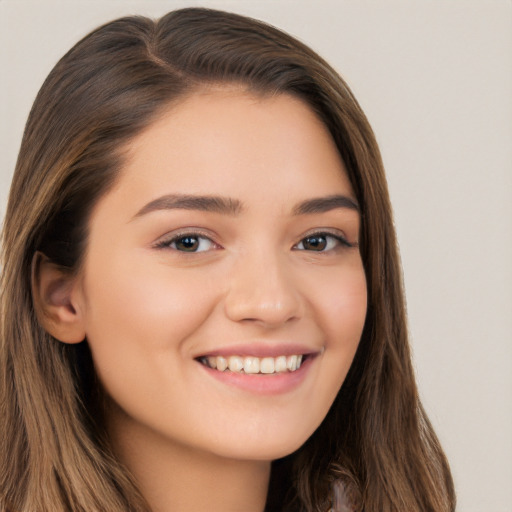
(271, 384)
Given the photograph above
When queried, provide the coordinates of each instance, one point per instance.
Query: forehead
(233, 143)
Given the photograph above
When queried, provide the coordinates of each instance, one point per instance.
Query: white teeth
(235, 363)
(280, 364)
(267, 365)
(291, 363)
(253, 365)
(222, 363)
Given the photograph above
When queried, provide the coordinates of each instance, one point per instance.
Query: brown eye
(315, 243)
(187, 243)
(322, 242)
(191, 243)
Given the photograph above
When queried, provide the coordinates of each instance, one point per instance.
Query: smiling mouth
(254, 365)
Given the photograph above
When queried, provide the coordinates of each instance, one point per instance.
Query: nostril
(252, 308)
(261, 289)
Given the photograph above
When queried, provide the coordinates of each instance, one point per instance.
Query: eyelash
(168, 243)
(339, 239)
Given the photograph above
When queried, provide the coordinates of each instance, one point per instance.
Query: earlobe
(53, 293)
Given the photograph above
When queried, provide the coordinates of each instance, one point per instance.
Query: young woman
(202, 306)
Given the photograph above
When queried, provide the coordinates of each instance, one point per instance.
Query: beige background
(435, 79)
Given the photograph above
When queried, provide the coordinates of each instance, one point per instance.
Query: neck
(177, 478)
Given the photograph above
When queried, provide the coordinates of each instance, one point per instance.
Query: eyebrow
(214, 204)
(325, 204)
(229, 206)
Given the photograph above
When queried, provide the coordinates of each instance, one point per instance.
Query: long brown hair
(375, 451)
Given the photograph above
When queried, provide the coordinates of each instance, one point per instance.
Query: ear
(54, 293)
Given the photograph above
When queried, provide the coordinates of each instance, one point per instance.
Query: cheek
(138, 320)
(341, 305)
(126, 297)
(341, 309)
(137, 315)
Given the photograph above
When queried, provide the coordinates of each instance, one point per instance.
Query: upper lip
(261, 350)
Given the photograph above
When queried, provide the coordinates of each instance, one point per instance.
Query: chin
(261, 448)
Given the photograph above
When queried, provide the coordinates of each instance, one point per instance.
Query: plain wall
(435, 79)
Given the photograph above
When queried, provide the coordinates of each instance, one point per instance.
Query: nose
(263, 290)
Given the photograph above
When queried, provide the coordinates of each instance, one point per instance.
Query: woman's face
(230, 239)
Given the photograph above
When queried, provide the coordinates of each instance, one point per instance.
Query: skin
(149, 309)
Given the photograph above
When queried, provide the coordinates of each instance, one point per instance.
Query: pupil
(187, 243)
(315, 243)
